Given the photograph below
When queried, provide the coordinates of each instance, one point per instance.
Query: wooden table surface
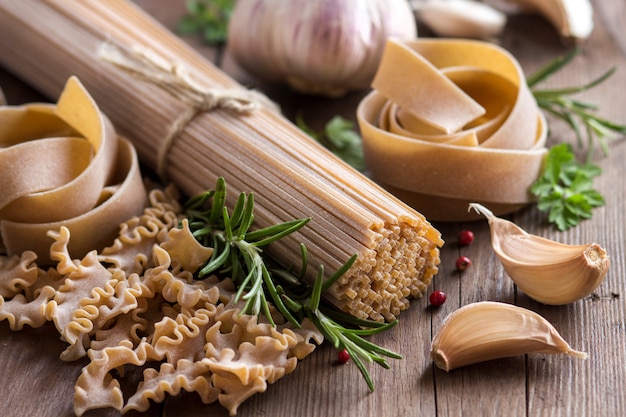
(33, 381)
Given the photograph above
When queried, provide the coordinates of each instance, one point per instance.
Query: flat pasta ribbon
(64, 165)
(452, 122)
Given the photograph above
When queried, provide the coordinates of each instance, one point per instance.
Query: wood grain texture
(35, 382)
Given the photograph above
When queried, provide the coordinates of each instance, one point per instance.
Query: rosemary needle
(577, 114)
(238, 253)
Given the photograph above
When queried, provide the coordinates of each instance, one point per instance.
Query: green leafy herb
(340, 138)
(577, 114)
(237, 250)
(209, 18)
(342, 330)
(238, 253)
(565, 189)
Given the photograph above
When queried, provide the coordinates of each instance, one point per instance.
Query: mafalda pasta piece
(20, 311)
(185, 250)
(74, 308)
(26, 290)
(17, 273)
(131, 250)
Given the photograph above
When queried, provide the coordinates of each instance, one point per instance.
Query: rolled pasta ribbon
(64, 165)
(493, 158)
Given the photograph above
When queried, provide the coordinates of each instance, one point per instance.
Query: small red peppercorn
(343, 356)
(437, 298)
(463, 263)
(466, 237)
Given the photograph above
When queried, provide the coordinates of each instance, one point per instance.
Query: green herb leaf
(340, 138)
(209, 18)
(213, 226)
(343, 337)
(575, 113)
(565, 189)
(260, 280)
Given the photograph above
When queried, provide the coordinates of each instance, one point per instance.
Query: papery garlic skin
(325, 47)
(488, 330)
(547, 271)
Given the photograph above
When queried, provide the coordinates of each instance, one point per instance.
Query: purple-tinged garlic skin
(322, 47)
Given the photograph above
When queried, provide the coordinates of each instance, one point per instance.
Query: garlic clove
(547, 271)
(488, 330)
(461, 18)
(572, 18)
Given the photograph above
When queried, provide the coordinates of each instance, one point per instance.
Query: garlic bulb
(547, 271)
(488, 330)
(325, 47)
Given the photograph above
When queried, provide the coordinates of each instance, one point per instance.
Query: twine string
(174, 78)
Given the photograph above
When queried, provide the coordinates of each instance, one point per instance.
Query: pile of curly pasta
(136, 303)
(85, 246)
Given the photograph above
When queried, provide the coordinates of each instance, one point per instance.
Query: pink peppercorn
(466, 237)
(437, 298)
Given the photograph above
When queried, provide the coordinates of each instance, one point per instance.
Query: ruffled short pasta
(136, 304)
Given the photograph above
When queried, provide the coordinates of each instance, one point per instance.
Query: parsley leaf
(210, 18)
(565, 188)
(340, 138)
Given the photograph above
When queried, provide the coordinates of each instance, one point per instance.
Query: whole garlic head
(325, 47)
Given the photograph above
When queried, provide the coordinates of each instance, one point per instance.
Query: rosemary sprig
(260, 281)
(342, 330)
(579, 115)
(238, 251)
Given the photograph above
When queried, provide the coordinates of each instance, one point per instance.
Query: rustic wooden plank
(596, 324)
(36, 382)
(558, 385)
(33, 376)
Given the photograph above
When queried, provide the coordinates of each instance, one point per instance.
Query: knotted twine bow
(174, 78)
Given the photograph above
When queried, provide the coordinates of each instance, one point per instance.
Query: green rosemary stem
(261, 282)
(577, 114)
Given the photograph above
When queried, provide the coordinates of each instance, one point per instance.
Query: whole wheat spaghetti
(228, 132)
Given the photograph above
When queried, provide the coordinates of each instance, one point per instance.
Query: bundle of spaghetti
(192, 123)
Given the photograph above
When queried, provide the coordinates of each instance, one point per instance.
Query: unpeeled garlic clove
(461, 18)
(488, 330)
(547, 271)
(572, 18)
